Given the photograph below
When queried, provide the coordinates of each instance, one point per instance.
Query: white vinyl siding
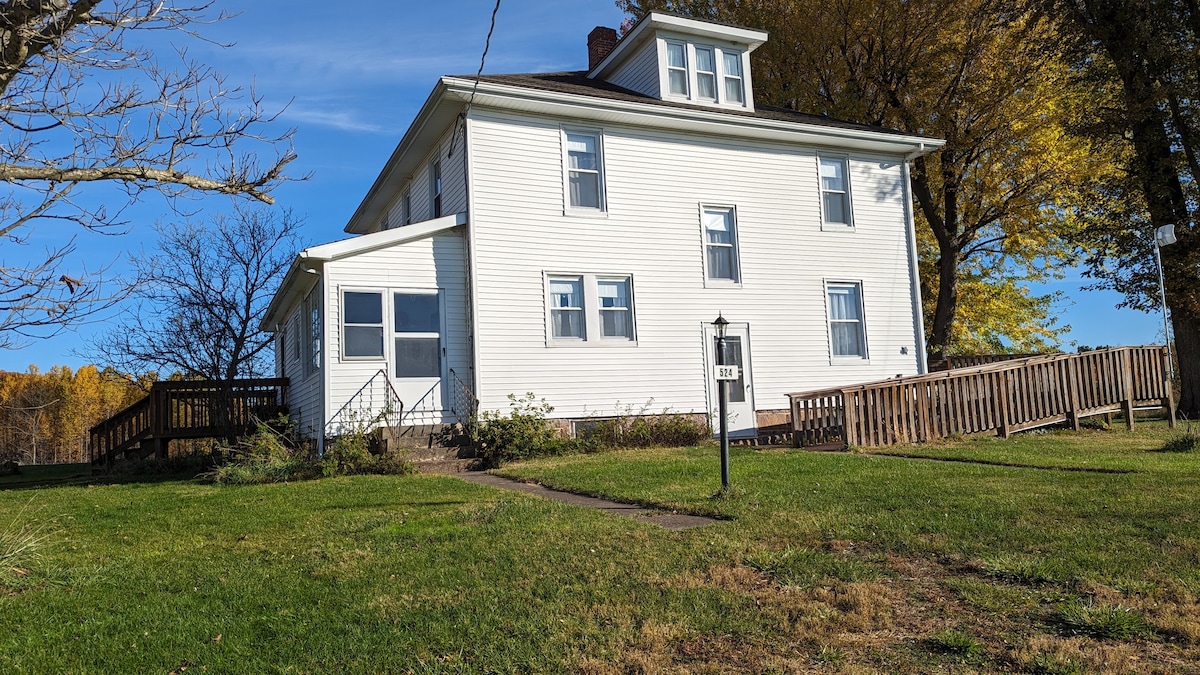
(430, 266)
(654, 182)
(640, 72)
(835, 192)
(414, 203)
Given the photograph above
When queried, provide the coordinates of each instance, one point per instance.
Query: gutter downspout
(914, 274)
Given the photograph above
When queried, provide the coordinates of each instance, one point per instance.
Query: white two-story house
(575, 234)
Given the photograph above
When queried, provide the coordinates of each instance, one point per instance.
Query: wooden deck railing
(971, 360)
(1000, 398)
(202, 409)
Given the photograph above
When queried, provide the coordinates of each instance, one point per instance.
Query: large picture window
(846, 332)
(835, 192)
(585, 183)
(362, 324)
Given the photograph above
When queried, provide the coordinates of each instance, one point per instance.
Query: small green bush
(1101, 621)
(521, 434)
(642, 430)
(1188, 441)
(21, 543)
(956, 642)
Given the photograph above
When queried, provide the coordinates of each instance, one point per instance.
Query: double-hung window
(616, 314)
(585, 182)
(312, 330)
(418, 334)
(677, 70)
(734, 89)
(835, 192)
(566, 308)
(847, 335)
(706, 74)
(362, 324)
(589, 308)
(720, 243)
(435, 188)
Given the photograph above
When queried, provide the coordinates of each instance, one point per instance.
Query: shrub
(639, 430)
(269, 455)
(1188, 441)
(521, 434)
(1101, 621)
(21, 543)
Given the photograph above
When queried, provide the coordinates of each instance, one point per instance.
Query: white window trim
(687, 69)
(865, 359)
(719, 51)
(390, 332)
(825, 224)
(583, 211)
(342, 291)
(592, 335)
(710, 282)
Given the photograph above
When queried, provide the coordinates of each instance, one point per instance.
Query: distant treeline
(45, 417)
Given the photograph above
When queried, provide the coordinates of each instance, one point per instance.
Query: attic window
(705, 73)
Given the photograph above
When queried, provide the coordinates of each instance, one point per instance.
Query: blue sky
(351, 82)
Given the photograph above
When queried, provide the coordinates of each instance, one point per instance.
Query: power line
(487, 44)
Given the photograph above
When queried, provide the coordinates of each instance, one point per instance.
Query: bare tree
(199, 299)
(84, 103)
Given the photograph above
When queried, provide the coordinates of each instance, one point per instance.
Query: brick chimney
(600, 44)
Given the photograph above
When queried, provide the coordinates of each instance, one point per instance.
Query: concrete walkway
(670, 521)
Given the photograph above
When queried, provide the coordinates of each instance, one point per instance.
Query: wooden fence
(174, 410)
(1000, 398)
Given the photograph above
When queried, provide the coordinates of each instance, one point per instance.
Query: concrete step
(444, 466)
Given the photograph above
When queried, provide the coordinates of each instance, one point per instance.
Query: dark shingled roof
(578, 83)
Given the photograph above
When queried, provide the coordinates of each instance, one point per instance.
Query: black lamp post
(720, 326)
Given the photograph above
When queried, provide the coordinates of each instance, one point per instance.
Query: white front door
(419, 354)
(742, 420)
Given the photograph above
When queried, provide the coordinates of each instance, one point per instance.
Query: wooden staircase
(177, 410)
(1001, 398)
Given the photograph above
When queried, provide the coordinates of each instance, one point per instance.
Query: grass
(836, 561)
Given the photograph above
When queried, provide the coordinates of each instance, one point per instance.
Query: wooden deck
(1002, 398)
(177, 410)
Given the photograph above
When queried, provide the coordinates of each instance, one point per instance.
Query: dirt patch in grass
(919, 615)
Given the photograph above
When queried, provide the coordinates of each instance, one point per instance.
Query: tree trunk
(1186, 327)
(947, 303)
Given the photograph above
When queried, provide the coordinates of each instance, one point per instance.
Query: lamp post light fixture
(720, 326)
(1164, 236)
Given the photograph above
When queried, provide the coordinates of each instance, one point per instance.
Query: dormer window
(677, 70)
(704, 73)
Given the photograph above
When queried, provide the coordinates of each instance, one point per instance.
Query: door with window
(742, 421)
(419, 353)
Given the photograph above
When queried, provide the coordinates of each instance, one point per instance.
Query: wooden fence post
(849, 417)
(1005, 428)
(1073, 392)
(1168, 393)
(1127, 380)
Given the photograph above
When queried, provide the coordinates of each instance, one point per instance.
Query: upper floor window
(585, 184)
(734, 89)
(407, 219)
(435, 187)
(313, 330)
(677, 70)
(720, 243)
(846, 332)
(835, 192)
(705, 73)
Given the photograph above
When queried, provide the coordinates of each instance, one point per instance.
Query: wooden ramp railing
(1000, 398)
(176, 410)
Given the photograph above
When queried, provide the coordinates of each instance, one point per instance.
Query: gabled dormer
(676, 59)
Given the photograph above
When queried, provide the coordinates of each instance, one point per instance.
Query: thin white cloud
(341, 120)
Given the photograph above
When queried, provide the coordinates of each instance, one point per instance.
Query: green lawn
(838, 562)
